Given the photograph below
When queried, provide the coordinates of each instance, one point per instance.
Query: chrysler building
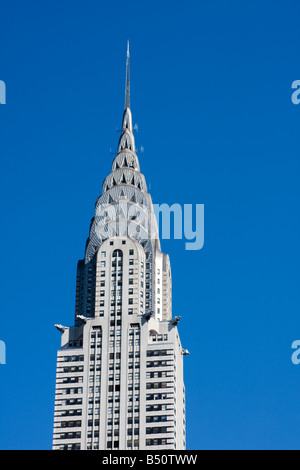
(119, 376)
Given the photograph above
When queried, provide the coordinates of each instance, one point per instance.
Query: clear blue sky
(211, 93)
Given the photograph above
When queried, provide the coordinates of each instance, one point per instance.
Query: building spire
(127, 83)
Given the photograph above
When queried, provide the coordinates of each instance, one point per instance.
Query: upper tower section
(125, 211)
(125, 206)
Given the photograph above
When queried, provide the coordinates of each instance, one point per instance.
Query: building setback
(119, 377)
